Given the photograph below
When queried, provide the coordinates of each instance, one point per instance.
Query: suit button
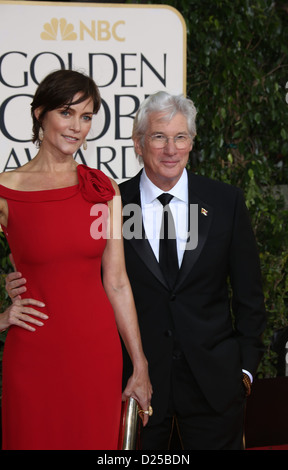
(168, 333)
(173, 297)
(177, 354)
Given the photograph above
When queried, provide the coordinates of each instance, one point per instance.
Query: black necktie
(168, 258)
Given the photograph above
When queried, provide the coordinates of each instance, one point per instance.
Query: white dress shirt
(152, 210)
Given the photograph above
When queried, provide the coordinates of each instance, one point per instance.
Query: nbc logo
(100, 30)
(51, 30)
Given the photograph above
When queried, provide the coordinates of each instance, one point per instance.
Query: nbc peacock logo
(100, 30)
(57, 27)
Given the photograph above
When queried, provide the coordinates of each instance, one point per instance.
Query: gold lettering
(114, 33)
(103, 31)
(91, 32)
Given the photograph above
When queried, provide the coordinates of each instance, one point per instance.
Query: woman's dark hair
(58, 89)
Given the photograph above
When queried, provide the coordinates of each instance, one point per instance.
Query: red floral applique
(94, 185)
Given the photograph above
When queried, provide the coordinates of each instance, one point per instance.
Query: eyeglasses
(159, 141)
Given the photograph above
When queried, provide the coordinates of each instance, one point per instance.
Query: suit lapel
(204, 213)
(130, 193)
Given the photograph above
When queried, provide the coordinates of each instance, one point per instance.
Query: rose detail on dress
(94, 185)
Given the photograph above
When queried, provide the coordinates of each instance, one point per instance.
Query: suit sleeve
(247, 294)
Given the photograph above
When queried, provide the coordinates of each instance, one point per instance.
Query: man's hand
(15, 285)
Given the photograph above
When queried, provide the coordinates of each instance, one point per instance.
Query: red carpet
(267, 415)
(283, 447)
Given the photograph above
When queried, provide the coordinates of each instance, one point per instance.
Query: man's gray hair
(169, 105)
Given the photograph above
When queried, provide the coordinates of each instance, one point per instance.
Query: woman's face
(66, 128)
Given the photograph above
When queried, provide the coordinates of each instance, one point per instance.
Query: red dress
(62, 383)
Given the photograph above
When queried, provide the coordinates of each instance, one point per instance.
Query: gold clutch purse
(129, 435)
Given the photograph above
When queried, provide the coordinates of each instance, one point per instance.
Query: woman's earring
(40, 134)
(85, 144)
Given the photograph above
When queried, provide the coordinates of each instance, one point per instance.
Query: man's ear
(138, 147)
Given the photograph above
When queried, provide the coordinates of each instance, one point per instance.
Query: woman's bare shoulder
(7, 178)
(12, 179)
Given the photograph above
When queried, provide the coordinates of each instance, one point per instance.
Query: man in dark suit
(201, 332)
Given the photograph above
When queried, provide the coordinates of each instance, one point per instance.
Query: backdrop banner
(130, 51)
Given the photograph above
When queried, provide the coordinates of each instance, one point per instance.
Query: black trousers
(198, 425)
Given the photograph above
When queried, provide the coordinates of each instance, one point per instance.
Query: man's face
(164, 166)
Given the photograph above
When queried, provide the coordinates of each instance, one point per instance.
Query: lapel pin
(204, 211)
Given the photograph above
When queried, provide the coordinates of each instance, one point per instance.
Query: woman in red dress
(62, 364)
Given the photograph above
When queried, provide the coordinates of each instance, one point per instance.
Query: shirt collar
(150, 192)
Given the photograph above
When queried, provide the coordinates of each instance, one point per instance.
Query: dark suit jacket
(198, 311)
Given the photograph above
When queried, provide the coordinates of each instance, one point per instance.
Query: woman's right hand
(21, 314)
